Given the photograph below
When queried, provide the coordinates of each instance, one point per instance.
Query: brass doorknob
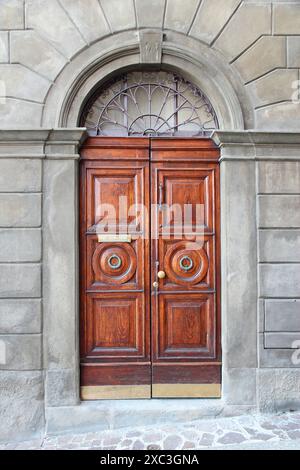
(155, 284)
(161, 274)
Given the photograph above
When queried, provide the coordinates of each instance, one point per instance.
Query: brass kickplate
(186, 390)
(111, 392)
(114, 237)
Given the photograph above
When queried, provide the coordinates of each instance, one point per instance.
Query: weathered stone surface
(20, 280)
(207, 439)
(150, 14)
(60, 264)
(22, 410)
(282, 315)
(178, 18)
(61, 385)
(90, 21)
(171, 442)
(286, 19)
(3, 46)
(278, 389)
(283, 340)
(271, 358)
(274, 87)
(279, 211)
(18, 175)
(279, 280)
(12, 14)
(21, 352)
(261, 315)
(210, 18)
(20, 245)
(293, 47)
(24, 84)
(150, 46)
(248, 24)
(108, 414)
(270, 145)
(120, 15)
(239, 386)
(17, 113)
(50, 19)
(20, 210)
(279, 245)
(280, 117)
(23, 144)
(279, 177)
(265, 55)
(20, 316)
(39, 55)
(239, 301)
(277, 431)
(231, 438)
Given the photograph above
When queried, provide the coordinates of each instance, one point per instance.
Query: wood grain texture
(186, 320)
(115, 306)
(132, 334)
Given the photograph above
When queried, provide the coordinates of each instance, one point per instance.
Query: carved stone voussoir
(150, 46)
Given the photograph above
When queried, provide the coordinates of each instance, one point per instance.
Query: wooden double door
(150, 280)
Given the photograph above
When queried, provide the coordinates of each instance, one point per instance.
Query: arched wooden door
(150, 268)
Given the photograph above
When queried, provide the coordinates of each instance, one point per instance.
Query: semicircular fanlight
(149, 104)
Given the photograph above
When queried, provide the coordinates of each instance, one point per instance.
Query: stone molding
(115, 54)
(41, 143)
(253, 145)
(63, 143)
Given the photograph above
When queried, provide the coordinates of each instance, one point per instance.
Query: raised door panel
(186, 327)
(115, 326)
(185, 199)
(114, 197)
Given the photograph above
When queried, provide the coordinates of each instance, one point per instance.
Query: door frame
(60, 265)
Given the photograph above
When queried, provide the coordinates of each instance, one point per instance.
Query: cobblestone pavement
(277, 431)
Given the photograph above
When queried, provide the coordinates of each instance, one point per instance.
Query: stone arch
(192, 59)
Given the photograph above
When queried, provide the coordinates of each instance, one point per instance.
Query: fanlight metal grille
(150, 104)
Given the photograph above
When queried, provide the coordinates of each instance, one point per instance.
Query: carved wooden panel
(110, 194)
(190, 195)
(115, 325)
(186, 326)
(112, 265)
(188, 262)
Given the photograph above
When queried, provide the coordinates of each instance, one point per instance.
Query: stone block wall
(38, 210)
(262, 168)
(278, 204)
(258, 40)
(21, 376)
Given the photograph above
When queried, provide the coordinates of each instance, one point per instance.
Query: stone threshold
(116, 414)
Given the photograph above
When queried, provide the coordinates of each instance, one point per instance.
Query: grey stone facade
(244, 55)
